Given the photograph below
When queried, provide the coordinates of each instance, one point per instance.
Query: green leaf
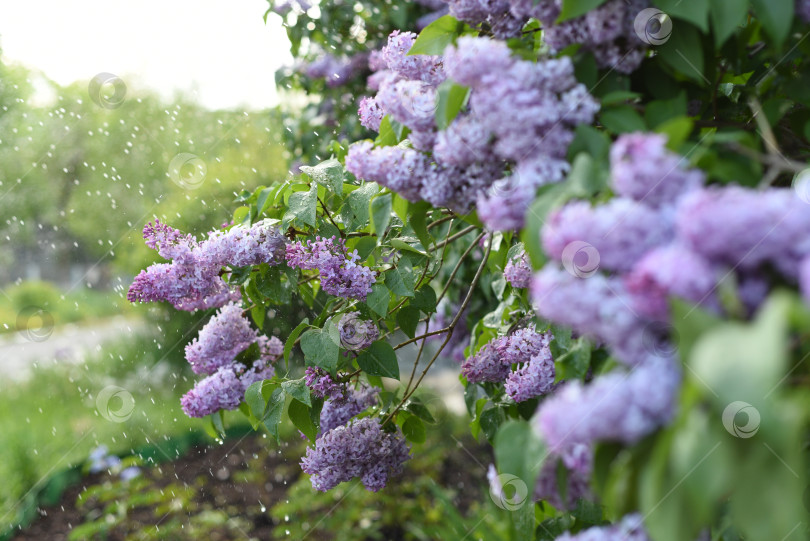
(490, 420)
(436, 36)
(575, 8)
(676, 130)
(519, 452)
(417, 219)
(550, 196)
(378, 299)
(693, 11)
(379, 359)
(297, 388)
(328, 174)
(288, 345)
(255, 400)
(589, 139)
(400, 244)
(217, 422)
(683, 52)
(726, 17)
(358, 201)
(740, 362)
(387, 135)
(776, 16)
(414, 430)
(264, 200)
(381, 214)
(425, 299)
(400, 280)
(302, 206)
(319, 350)
(416, 407)
(364, 246)
(272, 416)
(450, 99)
(657, 112)
(258, 313)
(408, 320)
(622, 119)
(299, 415)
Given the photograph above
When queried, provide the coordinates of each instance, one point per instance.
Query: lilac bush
(606, 232)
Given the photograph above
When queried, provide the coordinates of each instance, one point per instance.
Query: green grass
(35, 304)
(53, 421)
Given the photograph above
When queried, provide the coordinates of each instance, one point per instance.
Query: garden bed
(250, 488)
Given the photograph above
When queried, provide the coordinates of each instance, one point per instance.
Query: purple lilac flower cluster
(518, 271)
(338, 411)
(495, 13)
(630, 528)
(321, 384)
(578, 463)
(225, 335)
(192, 280)
(528, 350)
(339, 272)
(214, 351)
(607, 31)
(664, 236)
(520, 118)
(359, 449)
(355, 333)
(224, 389)
(803, 10)
(334, 70)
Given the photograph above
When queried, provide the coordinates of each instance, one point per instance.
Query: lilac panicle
(531, 379)
(425, 68)
(630, 528)
(568, 300)
(321, 384)
(671, 271)
(643, 169)
(270, 349)
(360, 449)
(339, 272)
(743, 228)
(622, 231)
(371, 114)
(356, 334)
(486, 364)
(192, 280)
(337, 412)
(220, 390)
(616, 406)
(226, 335)
(518, 271)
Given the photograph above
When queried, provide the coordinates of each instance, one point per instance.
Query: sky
(219, 52)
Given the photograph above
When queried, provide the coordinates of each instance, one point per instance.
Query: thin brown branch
(452, 326)
(458, 265)
(329, 216)
(454, 237)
